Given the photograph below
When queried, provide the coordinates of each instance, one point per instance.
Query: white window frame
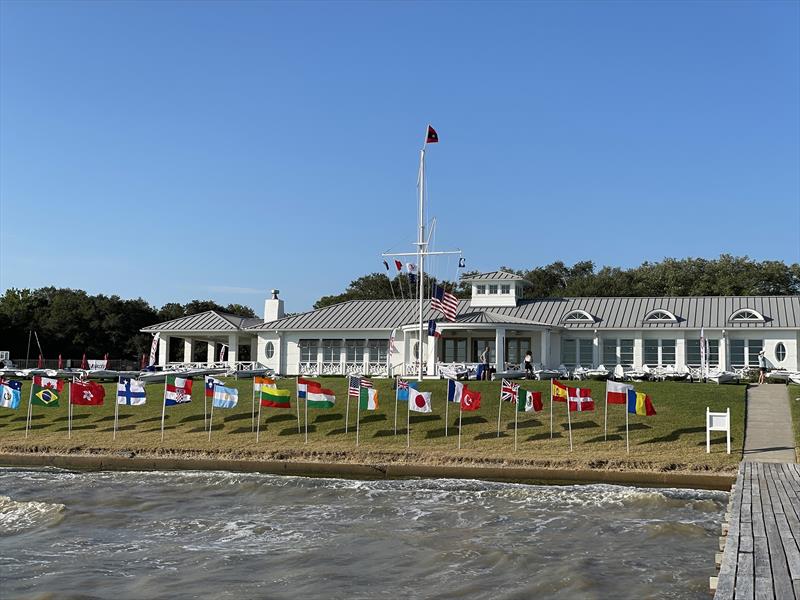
(480, 289)
(746, 315)
(505, 288)
(578, 316)
(660, 315)
(493, 288)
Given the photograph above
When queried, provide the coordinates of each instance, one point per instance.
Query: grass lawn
(673, 440)
(794, 402)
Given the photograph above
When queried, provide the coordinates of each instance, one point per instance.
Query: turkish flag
(86, 393)
(470, 399)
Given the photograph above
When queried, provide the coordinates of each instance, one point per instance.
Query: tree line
(72, 322)
(726, 276)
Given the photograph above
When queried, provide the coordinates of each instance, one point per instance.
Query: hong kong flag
(432, 136)
(470, 399)
(87, 393)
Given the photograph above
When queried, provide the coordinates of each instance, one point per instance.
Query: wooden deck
(762, 550)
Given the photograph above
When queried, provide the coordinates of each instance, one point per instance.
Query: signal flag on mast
(432, 137)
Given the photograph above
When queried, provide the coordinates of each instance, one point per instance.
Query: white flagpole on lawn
(253, 417)
(408, 420)
(30, 406)
(205, 403)
(627, 439)
(605, 416)
(446, 407)
(347, 404)
(211, 419)
(516, 417)
(358, 412)
(164, 406)
(396, 392)
(296, 387)
(69, 412)
(551, 409)
(460, 411)
(258, 422)
(116, 408)
(499, 411)
(306, 419)
(569, 420)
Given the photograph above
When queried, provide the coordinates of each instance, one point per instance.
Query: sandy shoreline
(367, 466)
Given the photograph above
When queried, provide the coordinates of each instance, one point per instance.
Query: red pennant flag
(432, 136)
(399, 265)
(87, 393)
(84, 364)
(60, 362)
(40, 363)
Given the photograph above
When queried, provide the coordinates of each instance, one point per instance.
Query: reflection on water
(229, 535)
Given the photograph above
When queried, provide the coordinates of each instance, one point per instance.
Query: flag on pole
(640, 403)
(153, 349)
(403, 388)
(432, 329)
(275, 398)
(558, 391)
(319, 397)
(431, 137)
(386, 264)
(303, 385)
(46, 390)
(470, 399)
(454, 390)
(225, 397)
(444, 302)
(580, 399)
(509, 391)
(368, 398)
(260, 383)
(211, 383)
(354, 386)
(529, 401)
(178, 390)
(10, 394)
(86, 393)
(419, 401)
(130, 392)
(398, 265)
(617, 393)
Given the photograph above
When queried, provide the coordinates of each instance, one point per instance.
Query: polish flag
(617, 393)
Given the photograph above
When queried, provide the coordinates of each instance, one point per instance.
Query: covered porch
(200, 349)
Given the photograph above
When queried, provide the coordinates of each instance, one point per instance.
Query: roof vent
(275, 294)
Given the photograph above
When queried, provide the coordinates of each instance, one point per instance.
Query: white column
(638, 350)
(233, 349)
(432, 356)
(500, 348)
(723, 351)
(595, 350)
(163, 350)
(680, 352)
(188, 346)
(319, 356)
(343, 356)
(211, 349)
(545, 346)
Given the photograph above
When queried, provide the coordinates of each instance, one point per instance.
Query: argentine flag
(225, 397)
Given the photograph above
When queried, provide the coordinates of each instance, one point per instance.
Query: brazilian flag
(44, 395)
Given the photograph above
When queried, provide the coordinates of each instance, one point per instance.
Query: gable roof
(210, 320)
(495, 276)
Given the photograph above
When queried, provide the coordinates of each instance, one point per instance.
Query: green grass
(794, 403)
(674, 439)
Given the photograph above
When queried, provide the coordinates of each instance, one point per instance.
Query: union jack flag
(509, 392)
(353, 386)
(402, 384)
(444, 302)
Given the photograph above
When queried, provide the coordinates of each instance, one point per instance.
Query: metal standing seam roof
(611, 313)
(210, 320)
(495, 276)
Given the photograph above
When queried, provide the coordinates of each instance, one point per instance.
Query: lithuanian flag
(271, 396)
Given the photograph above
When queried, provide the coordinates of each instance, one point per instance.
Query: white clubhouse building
(353, 336)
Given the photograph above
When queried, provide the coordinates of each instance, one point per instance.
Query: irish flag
(273, 397)
(319, 397)
(368, 398)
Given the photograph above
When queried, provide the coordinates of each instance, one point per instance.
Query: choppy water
(227, 535)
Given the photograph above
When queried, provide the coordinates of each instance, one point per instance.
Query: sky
(174, 151)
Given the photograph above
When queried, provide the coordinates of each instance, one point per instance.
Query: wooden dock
(761, 559)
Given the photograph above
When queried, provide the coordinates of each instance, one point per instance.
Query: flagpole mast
(569, 419)
(627, 437)
(211, 418)
(516, 419)
(605, 425)
(296, 387)
(460, 412)
(396, 392)
(446, 407)
(69, 413)
(306, 417)
(258, 423)
(499, 412)
(421, 245)
(30, 408)
(551, 409)
(253, 417)
(116, 408)
(358, 412)
(408, 420)
(164, 407)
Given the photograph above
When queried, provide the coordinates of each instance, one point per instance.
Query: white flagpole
(296, 387)
(446, 407)
(516, 417)
(164, 407)
(253, 417)
(605, 425)
(460, 411)
(69, 413)
(116, 408)
(347, 404)
(205, 404)
(408, 420)
(258, 423)
(396, 393)
(421, 247)
(306, 419)
(358, 413)
(569, 421)
(211, 420)
(627, 438)
(499, 411)
(30, 405)
(551, 409)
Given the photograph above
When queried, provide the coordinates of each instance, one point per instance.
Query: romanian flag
(558, 391)
(272, 396)
(45, 391)
(368, 398)
(640, 404)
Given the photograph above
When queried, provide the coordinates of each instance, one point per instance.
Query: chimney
(273, 307)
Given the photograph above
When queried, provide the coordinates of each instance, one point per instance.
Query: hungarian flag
(45, 391)
(558, 391)
(320, 397)
(179, 390)
(617, 393)
(529, 401)
(580, 399)
(368, 398)
(432, 136)
(640, 404)
(86, 393)
(273, 397)
(303, 385)
(470, 399)
(419, 401)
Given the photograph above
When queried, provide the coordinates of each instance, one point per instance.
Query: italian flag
(271, 396)
(319, 397)
(368, 398)
(529, 401)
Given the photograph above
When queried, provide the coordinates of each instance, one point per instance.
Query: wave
(16, 517)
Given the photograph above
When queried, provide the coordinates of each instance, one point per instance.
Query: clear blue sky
(216, 150)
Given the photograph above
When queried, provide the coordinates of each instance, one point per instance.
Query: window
(780, 352)
(626, 353)
(576, 352)
(745, 352)
(586, 352)
(270, 350)
(355, 350)
(651, 353)
(659, 353)
(480, 289)
(660, 316)
(492, 289)
(378, 350)
(693, 353)
(667, 352)
(516, 349)
(308, 351)
(578, 316)
(454, 350)
(331, 350)
(568, 349)
(746, 315)
(617, 352)
(505, 288)
(610, 357)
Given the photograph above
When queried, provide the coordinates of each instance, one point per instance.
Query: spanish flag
(640, 404)
(558, 391)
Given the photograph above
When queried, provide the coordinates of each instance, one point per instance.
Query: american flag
(509, 391)
(353, 386)
(366, 382)
(445, 302)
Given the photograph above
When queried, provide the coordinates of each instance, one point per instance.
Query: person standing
(529, 365)
(762, 367)
(485, 362)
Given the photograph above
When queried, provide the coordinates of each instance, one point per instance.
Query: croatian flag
(130, 392)
(178, 390)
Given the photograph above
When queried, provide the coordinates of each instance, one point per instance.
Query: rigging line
(36, 335)
(386, 264)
